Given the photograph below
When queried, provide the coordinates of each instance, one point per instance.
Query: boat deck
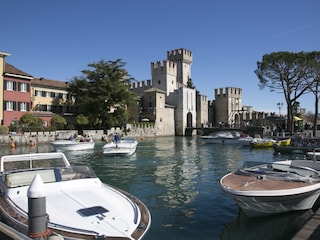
(62, 218)
(251, 183)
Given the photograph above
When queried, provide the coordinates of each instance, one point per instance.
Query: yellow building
(48, 97)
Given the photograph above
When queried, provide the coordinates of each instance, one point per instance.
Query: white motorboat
(227, 137)
(78, 204)
(314, 155)
(123, 147)
(72, 145)
(272, 188)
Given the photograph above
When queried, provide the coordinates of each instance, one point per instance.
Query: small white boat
(313, 155)
(272, 188)
(123, 147)
(72, 145)
(227, 137)
(78, 204)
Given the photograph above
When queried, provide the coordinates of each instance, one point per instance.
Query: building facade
(16, 97)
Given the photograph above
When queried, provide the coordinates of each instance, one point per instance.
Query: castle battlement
(141, 85)
(163, 67)
(180, 55)
(228, 91)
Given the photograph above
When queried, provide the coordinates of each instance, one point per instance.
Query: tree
(30, 122)
(58, 122)
(101, 92)
(313, 76)
(82, 120)
(285, 72)
(190, 84)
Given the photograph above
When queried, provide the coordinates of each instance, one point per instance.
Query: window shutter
(14, 85)
(5, 85)
(14, 107)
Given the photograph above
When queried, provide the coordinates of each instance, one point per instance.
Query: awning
(297, 118)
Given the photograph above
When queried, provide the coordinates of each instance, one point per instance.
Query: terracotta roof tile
(8, 68)
(42, 82)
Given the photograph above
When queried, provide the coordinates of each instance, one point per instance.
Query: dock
(311, 229)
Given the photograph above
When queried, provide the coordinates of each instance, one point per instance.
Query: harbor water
(178, 180)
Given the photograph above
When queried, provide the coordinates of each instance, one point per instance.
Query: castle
(175, 106)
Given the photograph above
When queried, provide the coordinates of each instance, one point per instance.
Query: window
(9, 85)
(9, 105)
(23, 87)
(23, 107)
(38, 93)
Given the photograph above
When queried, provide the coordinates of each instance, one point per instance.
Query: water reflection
(177, 170)
(273, 227)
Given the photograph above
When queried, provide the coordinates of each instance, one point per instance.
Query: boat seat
(18, 179)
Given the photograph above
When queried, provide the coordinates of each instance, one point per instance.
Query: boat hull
(274, 188)
(258, 206)
(67, 145)
(124, 147)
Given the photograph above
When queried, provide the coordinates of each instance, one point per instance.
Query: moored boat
(227, 137)
(272, 188)
(287, 150)
(72, 145)
(78, 204)
(263, 143)
(313, 155)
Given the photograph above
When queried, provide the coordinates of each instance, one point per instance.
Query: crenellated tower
(183, 58)
(164, 75)
(228, 105)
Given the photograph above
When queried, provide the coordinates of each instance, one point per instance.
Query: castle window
(159, 82)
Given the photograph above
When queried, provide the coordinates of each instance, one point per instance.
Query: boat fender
(55, 236)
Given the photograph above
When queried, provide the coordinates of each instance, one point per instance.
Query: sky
(58, 39)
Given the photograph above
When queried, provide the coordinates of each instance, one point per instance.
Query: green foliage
(29, 122)
(82, 120)
(28, 119)
(4, 130)
(287, 73)
(190, 84)
(102, 94)
(58, 122)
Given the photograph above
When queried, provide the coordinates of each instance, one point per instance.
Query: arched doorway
(189, 120)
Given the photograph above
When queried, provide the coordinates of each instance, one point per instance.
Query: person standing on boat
(117, 138)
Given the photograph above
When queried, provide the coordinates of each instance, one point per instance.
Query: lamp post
(280, 104)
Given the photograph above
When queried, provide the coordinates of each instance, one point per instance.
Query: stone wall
(139, 130)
